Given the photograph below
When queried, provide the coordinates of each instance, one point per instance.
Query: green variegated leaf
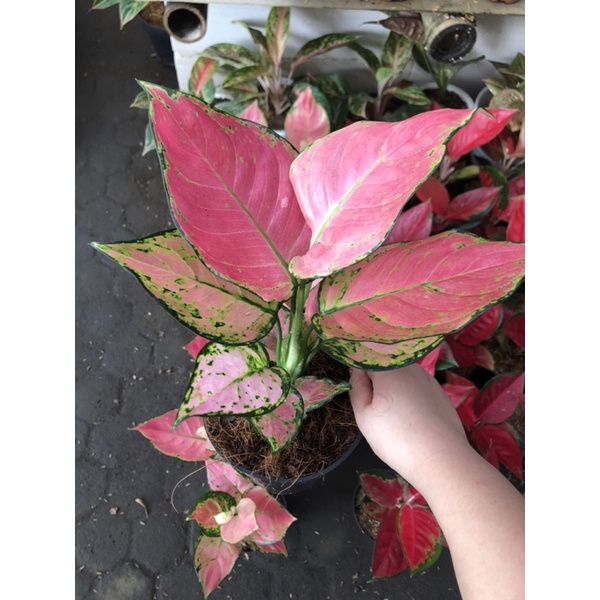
(280, 426)
(257, 37)
(383, 75)
(379, 357)
(233, 380)
(276, 32)
(129, 9)
(140, 101)
(149, 141)
(316, 392)
(104, 3)
(357, 104)
(367, 55)
(320, 45)
(412, 94)
(231, 54)
(397, 52)
(170, 270)
(244, 75)
(202, 71)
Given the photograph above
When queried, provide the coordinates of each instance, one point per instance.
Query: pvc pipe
(185, 21)
(448, 37)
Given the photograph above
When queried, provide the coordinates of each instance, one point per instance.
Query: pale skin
(409, 422)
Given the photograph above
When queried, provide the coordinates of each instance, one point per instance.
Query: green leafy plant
(128, 9)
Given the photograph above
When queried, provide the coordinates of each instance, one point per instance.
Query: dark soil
(323, 437)
(448, 100)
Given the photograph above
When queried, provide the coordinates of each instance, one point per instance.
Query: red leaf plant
(408, 535)
(236, 514)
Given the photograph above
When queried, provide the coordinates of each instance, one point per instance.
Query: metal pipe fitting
(185, 21)
(448, 37)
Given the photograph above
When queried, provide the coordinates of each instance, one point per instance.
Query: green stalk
(295, 351)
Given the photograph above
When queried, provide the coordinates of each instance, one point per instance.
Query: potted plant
(281, 257)
(150, 14)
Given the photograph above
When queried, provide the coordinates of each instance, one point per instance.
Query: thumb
(361, 393)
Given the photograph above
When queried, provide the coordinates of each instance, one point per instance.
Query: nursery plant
(128, 9)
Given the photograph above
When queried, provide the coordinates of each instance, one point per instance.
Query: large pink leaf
(273, 520)
(222, 477)
(471, 204)
(214, 560)
(483, 127)
(419, 289)
(170, 270)
(499, 398)
(241, 524)
(382, 487)
(412, 224)
(280, 426)
(316, 392)
(388, 558)
(233, 380)
(353, 183)
(186, 442)
(371, 355)
(229, 191)
(306, 120)
(420, 536)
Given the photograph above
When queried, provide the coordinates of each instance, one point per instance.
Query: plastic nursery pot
(283, 485)
(161, 42)
(457, 94)
(365, 523)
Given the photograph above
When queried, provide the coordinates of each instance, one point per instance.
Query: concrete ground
(132, 539)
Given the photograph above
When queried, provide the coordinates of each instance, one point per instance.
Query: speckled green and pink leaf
(187, 442)
(229, 191)
(168, 268)
(233, 380)
(213, 560)
(420, 289)
(377, 166)
(316, 392)
(276, 32)
(280, 426)
(273, 520)
(202, 71)
(377, 356)
(242, 524)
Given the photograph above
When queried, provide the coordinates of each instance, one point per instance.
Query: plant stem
(295, 351)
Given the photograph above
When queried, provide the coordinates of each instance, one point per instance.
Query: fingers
(361, 393)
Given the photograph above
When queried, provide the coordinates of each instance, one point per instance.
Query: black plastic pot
(161, 42)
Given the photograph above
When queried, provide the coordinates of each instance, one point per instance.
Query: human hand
(406, 418)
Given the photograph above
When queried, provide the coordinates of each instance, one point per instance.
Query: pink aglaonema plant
(278, 255)
(408, 534)
(236, 514)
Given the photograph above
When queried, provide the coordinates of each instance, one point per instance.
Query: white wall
(499, 38)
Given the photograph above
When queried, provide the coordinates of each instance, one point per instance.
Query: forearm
(482, 517)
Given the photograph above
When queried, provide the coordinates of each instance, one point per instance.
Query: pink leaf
(382, 488)
(388, 558)
(254, 113)
(467, 356)
(187, 442)
(196, 345)
(316, 392)
(499, 398)
(229, 191)
(377, 167)
(306, 120)
(369, 355)
(420, 536)
(434, 191)
(276, 33)
(459, 393)
(412, 224)
(429, 361)
(222, 477)
(280, 426)
(497, 446)
(276, 548)
(515, 232)
(242, 524)
(482, 128)
(169, 269)
(514, 329)
(472, 204)
(481, 328)
(233, 380)
(273, 520)
(419, 289)
(214, 560)
(202, 70)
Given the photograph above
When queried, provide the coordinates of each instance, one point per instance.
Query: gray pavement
(132, 541)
